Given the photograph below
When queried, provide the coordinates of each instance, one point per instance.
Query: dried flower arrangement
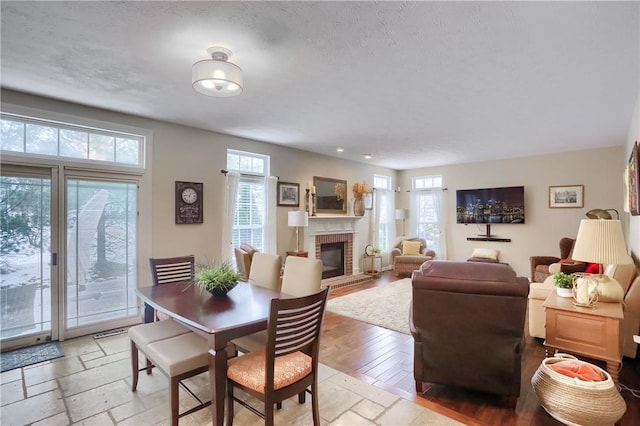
(339, 190)
(360, 190)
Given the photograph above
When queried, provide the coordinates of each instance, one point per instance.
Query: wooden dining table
(243, 311)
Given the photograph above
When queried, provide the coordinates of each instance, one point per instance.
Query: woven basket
(577, 402)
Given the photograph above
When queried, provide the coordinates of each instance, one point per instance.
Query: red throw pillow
(593, 268)
(578, 369)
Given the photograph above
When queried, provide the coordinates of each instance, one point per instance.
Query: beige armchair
(407, 257)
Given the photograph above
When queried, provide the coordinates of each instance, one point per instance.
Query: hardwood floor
(385, 358)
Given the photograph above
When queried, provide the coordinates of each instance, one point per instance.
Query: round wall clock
(188, 202)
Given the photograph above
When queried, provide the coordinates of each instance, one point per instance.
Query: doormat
(32, 355)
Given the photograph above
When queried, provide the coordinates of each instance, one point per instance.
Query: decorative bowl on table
(217, 279)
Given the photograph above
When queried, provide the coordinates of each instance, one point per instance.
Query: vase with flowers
(360, 190)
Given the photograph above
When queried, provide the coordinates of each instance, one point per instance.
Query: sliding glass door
(28, 280)
(100, 251)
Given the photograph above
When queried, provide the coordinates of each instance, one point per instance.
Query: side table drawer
(589, 335)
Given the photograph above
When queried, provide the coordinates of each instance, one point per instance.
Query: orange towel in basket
(579, 369)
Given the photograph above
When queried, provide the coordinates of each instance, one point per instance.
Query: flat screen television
(490, 205)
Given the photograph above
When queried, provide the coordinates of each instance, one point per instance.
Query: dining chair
(301, 277)
(167, 345)
(163, 271)
(289, 363)
(265, 270)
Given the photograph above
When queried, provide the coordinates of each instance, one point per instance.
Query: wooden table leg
(218, 380)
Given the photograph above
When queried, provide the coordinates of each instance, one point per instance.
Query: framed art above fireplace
(331, 195)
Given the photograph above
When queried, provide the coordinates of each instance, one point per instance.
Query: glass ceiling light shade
(216, 76)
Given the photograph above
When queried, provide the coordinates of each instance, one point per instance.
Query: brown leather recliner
(467, 321)
(540, 264)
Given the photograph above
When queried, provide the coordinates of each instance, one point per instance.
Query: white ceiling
(413, 83)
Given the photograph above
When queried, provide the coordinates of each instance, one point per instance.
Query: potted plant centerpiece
(360, 189)
(564, 284)
(217, 279)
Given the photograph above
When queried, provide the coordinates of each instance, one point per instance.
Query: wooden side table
(298, 253)
(591, 332)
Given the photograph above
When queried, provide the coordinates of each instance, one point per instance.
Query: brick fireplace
(334, 229)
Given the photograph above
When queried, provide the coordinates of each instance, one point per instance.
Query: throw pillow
(411, 248)
(485, 253)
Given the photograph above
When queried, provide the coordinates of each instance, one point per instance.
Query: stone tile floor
(91, 385)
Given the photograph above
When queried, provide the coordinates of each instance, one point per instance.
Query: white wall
(600, 171)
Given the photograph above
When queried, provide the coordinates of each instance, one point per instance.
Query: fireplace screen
(332, 256)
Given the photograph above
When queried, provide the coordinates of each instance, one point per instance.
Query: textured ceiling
(413, 83)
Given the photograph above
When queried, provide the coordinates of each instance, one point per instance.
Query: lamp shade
(600, 241)
(298, 218)
(216, 76)
(402, 214)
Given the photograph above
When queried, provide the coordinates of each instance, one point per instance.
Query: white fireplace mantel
(332, 224)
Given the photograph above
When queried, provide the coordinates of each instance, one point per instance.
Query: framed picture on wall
(368, 201)
(633, 177)
(569, 196)
(288, 194)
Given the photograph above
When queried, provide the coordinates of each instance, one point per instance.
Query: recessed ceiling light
(340, 149)
(367, 156)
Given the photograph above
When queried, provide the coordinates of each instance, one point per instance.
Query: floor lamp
(298, 218)
(402, 214)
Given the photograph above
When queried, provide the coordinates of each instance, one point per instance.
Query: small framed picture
(368, 201)
(288, 194)
(569, 196)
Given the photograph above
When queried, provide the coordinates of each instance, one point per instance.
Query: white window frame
(428, 190)
(250, 176)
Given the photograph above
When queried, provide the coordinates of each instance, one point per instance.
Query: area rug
(31, 355)
(385, 306)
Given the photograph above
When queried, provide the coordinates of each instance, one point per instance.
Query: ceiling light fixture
(216, 76)
(367, 156)
(340, 149)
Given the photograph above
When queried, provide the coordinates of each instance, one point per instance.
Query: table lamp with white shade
(298, 218)
(601, 241)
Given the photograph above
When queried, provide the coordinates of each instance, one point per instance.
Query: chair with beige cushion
(173, 349)
(288, 364)
(408, 254)
(265, 270)
(301, 277)
(163, 271)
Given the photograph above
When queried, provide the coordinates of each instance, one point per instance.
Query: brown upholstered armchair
(244, 256)
(540, 264)
(467, 321)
